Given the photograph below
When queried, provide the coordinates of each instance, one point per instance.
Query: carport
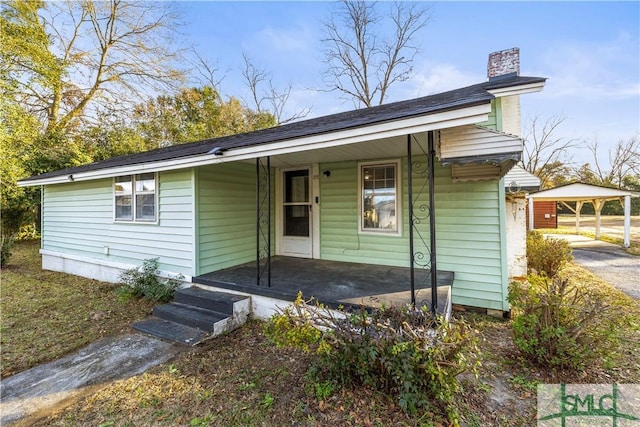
(586, 193)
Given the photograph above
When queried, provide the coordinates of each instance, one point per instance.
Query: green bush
(27, 232)
(6, 248)
(143, 282)
(546, 255)
(558, 323)
(404, 352)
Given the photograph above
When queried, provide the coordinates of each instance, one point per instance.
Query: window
(135, 195)
(379, 201)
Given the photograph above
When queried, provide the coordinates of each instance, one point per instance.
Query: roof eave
(517, 90)
(434, 121)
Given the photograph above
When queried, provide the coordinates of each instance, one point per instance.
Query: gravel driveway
(607, 261)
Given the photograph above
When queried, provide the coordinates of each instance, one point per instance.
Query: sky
(589, 51)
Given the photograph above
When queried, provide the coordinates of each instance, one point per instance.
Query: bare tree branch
(276, 99)
(99, 47)
(624, 160)
(546, 154)
(361, 64)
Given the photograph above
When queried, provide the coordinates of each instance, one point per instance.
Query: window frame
(134, 199)
(396, 163)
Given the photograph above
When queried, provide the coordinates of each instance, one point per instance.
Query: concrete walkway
(52, 384)
(607, 261)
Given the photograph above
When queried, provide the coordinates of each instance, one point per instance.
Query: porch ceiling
(375, 149)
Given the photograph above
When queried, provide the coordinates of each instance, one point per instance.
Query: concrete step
(170, 331)
(195, 315)
(188, 315)
(215, 301)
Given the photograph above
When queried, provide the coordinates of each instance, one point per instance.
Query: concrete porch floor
(333, 283)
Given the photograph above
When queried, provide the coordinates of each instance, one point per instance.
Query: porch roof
(446, 109)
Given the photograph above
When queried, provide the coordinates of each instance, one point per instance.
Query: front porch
(334, 283)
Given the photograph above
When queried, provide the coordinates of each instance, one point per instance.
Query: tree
(362, 64)
(275, 100)
(18, 136)
(545, 153)
(624, 161)
(195, 114)
(86, 55)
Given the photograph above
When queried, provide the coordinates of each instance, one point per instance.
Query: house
(407, 187)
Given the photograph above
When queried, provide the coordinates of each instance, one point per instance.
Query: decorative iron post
(433, 274)
(263, 221)
(422, 253)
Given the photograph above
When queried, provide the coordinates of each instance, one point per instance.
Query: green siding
(468, 231)
(495, 116)
(226, 215)
(78, 219)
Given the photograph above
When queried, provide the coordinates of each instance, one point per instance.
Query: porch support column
(263, 220)
(597, 206)
(627, 221)
(579, 204)
(531, 217)
(411, 221)
(432, 222)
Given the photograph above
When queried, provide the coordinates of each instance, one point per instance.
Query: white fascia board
(447, 119)
(517, 90)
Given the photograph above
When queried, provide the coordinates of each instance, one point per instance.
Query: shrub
(27, 232)
(6, 248)
(546, 255)
(559, 323)
(404, 352)
(143, 282)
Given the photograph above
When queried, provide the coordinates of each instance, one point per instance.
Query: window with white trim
(135, 197)
(379, 198)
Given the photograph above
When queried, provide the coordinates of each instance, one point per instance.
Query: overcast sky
(589, 51)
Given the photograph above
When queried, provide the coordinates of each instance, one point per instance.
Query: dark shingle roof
(459, 98)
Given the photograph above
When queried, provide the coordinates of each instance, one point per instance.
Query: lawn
(45, 314)
(242, 379)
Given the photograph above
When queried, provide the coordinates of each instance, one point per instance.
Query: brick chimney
(503, 62)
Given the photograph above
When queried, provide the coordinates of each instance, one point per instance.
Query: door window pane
(296, 186)
(296, 221)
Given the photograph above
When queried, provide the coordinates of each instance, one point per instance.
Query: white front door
(296, 226)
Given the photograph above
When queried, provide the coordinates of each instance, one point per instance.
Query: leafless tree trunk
(545, 153)
(275, 100)
(624, 159)
(361, 63)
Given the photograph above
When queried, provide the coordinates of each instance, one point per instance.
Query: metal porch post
(263, 219)
(411, 218)
(432, 223)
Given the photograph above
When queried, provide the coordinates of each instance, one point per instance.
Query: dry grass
(46, 314)
(242, 379)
